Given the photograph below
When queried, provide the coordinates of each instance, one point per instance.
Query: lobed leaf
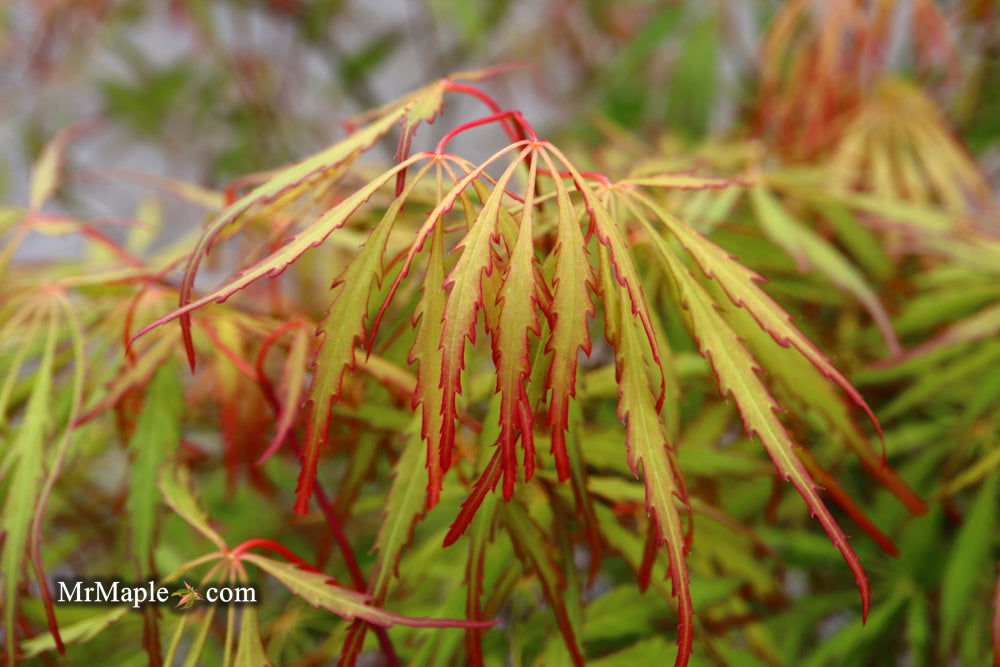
(649, 451)
(426, 352)
(278, 261)
(613, 238)
(464, 302)
(517, 317)
(421, 105)
(568, 316)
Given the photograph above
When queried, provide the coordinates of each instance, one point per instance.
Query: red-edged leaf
(426, 352)
(568, 316)
(516, 301)
(736, 372)
(486, 483)
(340, 331)
(648, 450)
(612, 236)
(421, 105)
(740, 285)
(278, 261)
(464, 301)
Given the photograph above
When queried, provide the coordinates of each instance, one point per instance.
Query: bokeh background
(207, 92)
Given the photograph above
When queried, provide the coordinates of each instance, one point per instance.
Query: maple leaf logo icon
(188, 596)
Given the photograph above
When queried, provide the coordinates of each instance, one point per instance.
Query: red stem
(516, 133)
(238, 361)
(352, 566)
(265, 543)
(497, 117)
(265, 347)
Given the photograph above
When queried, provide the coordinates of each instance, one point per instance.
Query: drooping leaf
(611, 236)
(278, 261)
(740, 285)
(736, 373)
(340, 331)
(404, 506)
(465, 299)
(572, 283)
(804, 385)
(518, 317)
(649, 451)
(420, 106)
(426, 352)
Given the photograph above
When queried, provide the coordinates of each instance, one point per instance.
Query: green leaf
(645, 652)
(741, 286)
(76, 633)
(27, 451)
(736, 372)
(850, 640)
(536, 553)
(465, 299)
(619, 613)
(339, 332)
(572, 307)
(812, 251)
(649, 451)
(318, 589)
(156, 437)
(175, 485)
(403, 508)
(426, 352)
(517, 319)
(973, 552)
(250, 650)
(194, 654)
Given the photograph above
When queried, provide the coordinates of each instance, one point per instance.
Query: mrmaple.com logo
(119, 593)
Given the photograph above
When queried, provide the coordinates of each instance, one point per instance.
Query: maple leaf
(188, 596)
(524, 259)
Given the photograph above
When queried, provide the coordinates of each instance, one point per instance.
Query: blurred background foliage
(875, 127)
